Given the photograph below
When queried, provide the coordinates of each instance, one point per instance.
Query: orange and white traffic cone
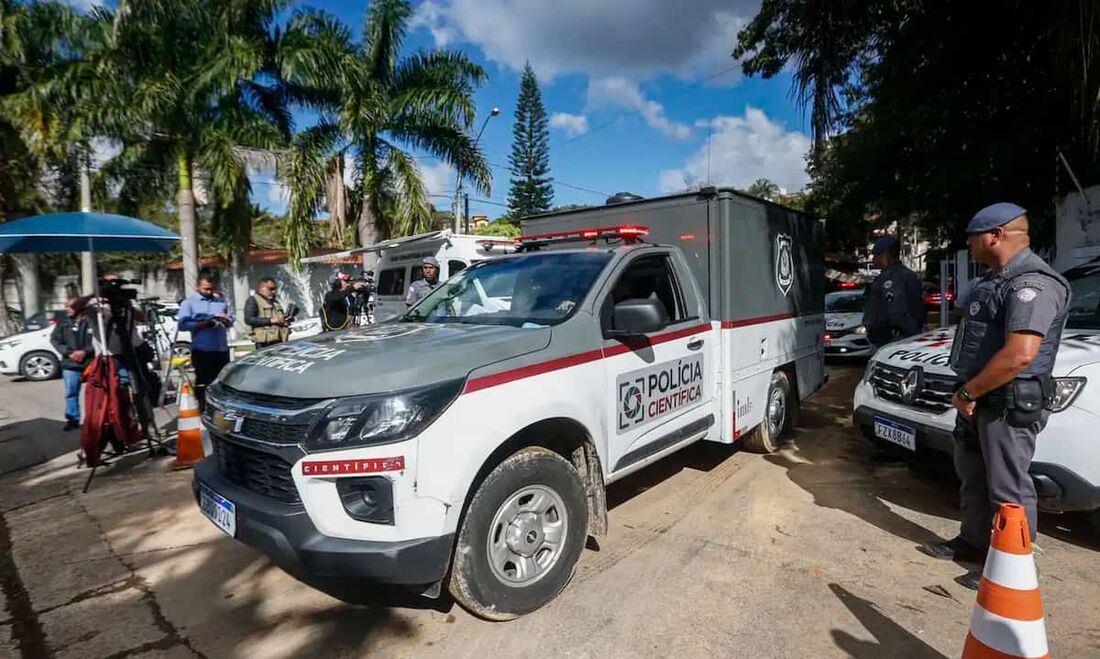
(189, 448)
(1008, 617)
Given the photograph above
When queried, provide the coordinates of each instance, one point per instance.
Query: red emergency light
(626, 232)
(847, 284)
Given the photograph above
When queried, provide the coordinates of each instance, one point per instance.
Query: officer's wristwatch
(965, 395)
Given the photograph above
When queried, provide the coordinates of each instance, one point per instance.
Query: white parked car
(845, 334)
(30, 354)
(905, 398)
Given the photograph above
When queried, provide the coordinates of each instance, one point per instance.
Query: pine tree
(531, 191)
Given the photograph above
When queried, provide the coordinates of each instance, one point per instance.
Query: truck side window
(648, 277)
(391, 282)
(454, 267)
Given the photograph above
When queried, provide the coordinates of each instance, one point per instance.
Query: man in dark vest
(264, 315)
(1003, 356)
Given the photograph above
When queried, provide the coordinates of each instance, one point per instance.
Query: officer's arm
(1030, 311)
(1011, 360)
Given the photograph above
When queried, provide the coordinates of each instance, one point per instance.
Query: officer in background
(895, 305)
(1003, 355)
(265, 316)
(421, 287)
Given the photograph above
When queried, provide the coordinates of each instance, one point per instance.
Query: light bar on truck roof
(627, 232)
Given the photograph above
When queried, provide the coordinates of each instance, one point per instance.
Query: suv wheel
(521, 537)
(765, 438)
(39, 365)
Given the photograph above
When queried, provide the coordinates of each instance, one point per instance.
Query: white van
(398, 264)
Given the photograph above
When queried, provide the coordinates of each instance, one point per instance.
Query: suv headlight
(382, 418)
(862, 329)
(1066, 391)
(869, 370)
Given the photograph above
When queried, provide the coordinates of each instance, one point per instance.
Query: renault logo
(912, 384)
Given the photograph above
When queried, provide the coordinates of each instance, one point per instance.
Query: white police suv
(905, 396)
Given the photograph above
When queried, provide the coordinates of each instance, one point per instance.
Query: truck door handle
(696, 344)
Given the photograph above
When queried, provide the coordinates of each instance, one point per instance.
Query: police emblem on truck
(784, 263)
(656, 391)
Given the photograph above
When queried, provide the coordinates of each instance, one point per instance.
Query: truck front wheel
(522, 536)
(765, 438)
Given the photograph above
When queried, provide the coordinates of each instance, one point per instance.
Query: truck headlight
(1066, 391)
(382, 418)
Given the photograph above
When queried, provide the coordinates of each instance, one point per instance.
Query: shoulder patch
(1027, 294)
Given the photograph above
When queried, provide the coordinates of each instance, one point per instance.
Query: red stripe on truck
(504, 377)
(759, 320)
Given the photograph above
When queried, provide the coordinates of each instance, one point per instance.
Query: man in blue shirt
(206, 315)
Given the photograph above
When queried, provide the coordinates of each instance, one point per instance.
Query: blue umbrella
(84, 232)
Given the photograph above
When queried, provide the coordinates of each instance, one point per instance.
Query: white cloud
(572, 124)
(103, 150)
(637, 39)
(439, 179)
(622, 93)
(741, 150)
(85, 5)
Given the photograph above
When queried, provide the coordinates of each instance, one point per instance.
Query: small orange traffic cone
(189, 448)
(1008, 617)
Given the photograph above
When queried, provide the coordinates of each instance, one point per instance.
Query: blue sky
(643, 95)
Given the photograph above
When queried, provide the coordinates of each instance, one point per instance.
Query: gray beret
(991, 217)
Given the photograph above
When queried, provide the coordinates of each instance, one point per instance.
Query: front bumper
(285, 533)
(849, 345)
(1060, 489)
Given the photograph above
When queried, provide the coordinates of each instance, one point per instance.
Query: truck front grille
(257, 471)
(933, 396)
(275, 433)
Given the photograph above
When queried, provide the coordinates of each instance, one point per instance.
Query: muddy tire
(767, 437)
(521, 537)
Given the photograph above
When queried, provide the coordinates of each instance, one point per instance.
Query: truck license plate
(896, 433)
(219, 510)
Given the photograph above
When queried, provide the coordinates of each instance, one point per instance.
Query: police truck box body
(468, 443)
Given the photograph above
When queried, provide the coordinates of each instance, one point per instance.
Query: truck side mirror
(638, 316)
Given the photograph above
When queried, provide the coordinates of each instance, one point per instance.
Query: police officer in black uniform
(895, 305)
(1003, 355)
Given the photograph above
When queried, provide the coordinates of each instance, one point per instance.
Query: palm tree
(373, 106)
(189, 87)
(821, 39)
(37, 133)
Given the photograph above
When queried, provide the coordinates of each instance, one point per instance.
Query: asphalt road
(713, 552)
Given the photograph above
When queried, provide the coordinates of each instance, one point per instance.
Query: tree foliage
(374, 107)
(920, 117)
(531, 192)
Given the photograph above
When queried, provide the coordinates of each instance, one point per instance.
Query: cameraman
(264, 315)
(336, 310)
(120, 315)
(206, 315)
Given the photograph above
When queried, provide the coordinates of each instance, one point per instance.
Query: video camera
(115, 289)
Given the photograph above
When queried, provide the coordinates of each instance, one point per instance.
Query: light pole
(458, 180)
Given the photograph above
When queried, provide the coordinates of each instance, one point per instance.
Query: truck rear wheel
(766, 437)
(522, 536)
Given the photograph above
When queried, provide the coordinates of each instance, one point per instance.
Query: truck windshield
(1084, 311)
(527, 290)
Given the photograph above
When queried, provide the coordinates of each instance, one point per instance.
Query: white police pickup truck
(905, 396)
(468, 443)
